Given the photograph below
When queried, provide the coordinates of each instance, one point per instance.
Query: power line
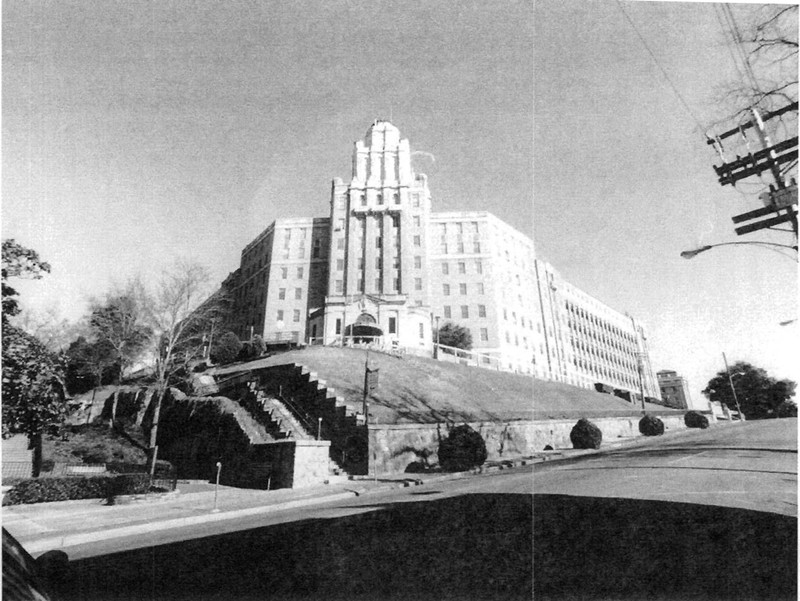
(663, 71)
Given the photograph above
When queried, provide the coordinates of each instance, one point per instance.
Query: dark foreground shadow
(468, 547)
(623, 549)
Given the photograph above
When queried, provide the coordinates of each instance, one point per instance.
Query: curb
(70, 540)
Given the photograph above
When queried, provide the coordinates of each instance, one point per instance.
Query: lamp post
(690, 254)
(436, 346)
(216, 488)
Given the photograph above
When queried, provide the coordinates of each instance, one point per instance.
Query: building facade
(674, 390)
(383, 267)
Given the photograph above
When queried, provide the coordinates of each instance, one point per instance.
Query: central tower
(378, 270)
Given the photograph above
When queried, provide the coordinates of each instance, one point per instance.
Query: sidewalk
(43, 527)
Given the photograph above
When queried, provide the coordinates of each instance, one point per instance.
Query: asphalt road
(696, 515)
(516, 481)
(456, 539)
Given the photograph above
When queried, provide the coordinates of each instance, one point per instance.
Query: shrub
(650, 425)
(463, 449)
(585, 435)
(694, 419)
(787, 409)
(45, 490)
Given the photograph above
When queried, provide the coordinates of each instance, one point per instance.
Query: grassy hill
(418, 389)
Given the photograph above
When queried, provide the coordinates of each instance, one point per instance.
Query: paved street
(749, 466)
(692, 515)
(448, 538)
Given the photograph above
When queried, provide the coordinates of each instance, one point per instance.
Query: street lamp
(690, 254)
(436, 347)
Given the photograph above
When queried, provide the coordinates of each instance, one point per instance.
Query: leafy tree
(452, 334)
(34, 401)
(759, 394)
(18, 262)
(33, 378)
(226, 348)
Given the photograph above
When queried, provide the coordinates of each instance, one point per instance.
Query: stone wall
(399, 447)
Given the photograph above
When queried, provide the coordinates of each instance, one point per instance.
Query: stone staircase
(286, 424)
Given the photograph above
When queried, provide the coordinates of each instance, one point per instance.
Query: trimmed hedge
(694, 419)
(585, 435)
(45, 490)
(462, 450)
(650, 425)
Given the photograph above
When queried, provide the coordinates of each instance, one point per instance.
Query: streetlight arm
(690, 254)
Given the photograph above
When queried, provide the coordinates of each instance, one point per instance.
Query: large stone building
(675, 390)
(383, 267)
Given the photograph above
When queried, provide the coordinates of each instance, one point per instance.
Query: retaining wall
(400, 447)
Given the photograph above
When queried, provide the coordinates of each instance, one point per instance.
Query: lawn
(417, 389)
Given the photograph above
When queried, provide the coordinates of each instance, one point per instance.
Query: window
(284, 273)
(422, 330)
(296, 316)
(340, 244)
(298, 293)
(445, 268)
(393, 325)
(279, 317)
(281, 293)
(416, 221)
(476, 247)
(379, 198)
(480, 288)
(417, 283)
(505, 314)
(378, 262)
(508, 337)
(317, 248)
(460, 248)
(447, 314)
(417, 241)
(338, 326)
(464, 311)
(446, 289)
(484, 334)
(481, 310)
(478, 267)
(462, 267)
(299, 273)
(378, 242)
(417, 262)
(378, 284)
(339, 264)
(340, 223)
(415, 199)
(361, 284)
(339, 286)
(396, 196)
(363, 198)
(462, 288)
(397, 283)
(361, 262)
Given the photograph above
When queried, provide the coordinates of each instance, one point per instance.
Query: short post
(319, 427)
(216, 488)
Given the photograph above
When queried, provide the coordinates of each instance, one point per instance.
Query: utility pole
(780, 203)
(733, 390)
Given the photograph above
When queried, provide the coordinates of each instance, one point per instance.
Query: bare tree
(179, 312)
(763, 39)
(53, 331)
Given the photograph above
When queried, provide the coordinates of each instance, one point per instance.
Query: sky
(623, 182)
(135, 132)
(138, 131)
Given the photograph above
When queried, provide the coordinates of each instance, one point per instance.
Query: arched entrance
(364, 330)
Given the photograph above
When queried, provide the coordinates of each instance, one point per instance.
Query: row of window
(461, 267)
(448, 313)
(462, 288)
